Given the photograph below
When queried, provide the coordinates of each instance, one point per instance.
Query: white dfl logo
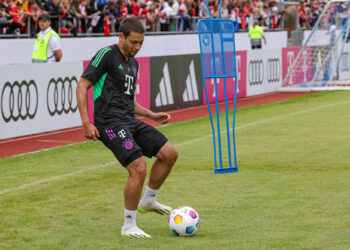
(128, 84)
(122, 133)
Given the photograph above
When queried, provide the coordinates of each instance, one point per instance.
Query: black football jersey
(113, 80)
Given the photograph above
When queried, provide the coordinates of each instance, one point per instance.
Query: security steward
(47, 47)
(255, 34)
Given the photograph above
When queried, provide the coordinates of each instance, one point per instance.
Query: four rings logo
(19, 100)
(60, 95)
(256, 72)
(273, 70)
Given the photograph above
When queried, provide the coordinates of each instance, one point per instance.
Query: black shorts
(130, 142)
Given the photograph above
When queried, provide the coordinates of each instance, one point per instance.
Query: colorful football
(184, 221)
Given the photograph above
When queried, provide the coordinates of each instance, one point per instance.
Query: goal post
(323, 62)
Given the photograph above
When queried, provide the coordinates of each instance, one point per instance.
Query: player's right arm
(90, 131)
(93, 72)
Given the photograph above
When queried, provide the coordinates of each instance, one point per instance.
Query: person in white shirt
(164, 14)
(47, 47)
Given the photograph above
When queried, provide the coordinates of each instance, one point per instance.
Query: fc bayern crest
(134, 70)
(206, 40)
(127, 144)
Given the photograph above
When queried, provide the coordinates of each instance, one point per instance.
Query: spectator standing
(134, 8)
(34, 12)
(15, 11)
(55, 11)
(275, 17)
(242, 18)
(76, 14)
(163, 17)
(110, 13)
(225, 10)
(265, 16)
(152, 17)
(255, 34)
(66, 17)
(247, 9)
(174, 6)
(7, 25)
(185, 16)
(84, 15)
(143, 16)
(47, 47)
(203, 11)
(3, 19)
(235, 16)
(93, 13)
(315, 15)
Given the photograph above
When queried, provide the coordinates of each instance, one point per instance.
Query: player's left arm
(161, 117)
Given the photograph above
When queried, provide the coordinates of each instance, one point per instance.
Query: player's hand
(161, 117)
(91, 132)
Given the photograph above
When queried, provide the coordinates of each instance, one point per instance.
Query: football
(184, 221)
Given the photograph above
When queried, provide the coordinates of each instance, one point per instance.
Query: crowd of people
(104, 16)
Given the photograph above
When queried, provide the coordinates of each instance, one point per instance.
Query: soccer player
(113, 72)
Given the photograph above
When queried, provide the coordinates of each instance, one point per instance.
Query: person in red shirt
(275, 17)
(247, 10)
(106, 25)
(15, 10)
(242, 18)
(134, 8)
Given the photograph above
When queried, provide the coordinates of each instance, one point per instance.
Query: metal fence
(93, 26)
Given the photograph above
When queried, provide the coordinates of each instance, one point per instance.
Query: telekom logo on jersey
(122, 133)
(128, 84)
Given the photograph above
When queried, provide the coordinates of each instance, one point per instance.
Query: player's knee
(171, 156)
(138, 169)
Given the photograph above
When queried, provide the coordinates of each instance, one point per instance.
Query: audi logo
(256, 72)
(60, 95)
(273, 70)
(22, 100)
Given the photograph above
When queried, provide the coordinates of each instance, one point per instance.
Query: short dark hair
(131, 24)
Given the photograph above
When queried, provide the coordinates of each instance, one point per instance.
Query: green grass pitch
(291, 191)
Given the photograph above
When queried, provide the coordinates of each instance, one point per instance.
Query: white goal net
(323, 62)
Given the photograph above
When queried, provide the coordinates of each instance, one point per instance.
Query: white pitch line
(57, 177)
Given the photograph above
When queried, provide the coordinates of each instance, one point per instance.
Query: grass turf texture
(291, 191)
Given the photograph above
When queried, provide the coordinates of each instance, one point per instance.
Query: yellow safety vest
(40, 46)
(255, 32)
